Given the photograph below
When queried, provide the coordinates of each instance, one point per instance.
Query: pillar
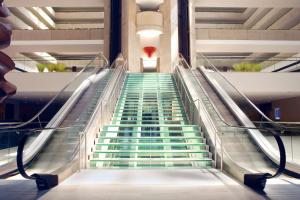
(193, 36)
(106, 28)
(169, 38)
(130, 39)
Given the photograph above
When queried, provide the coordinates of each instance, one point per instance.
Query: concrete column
(106, 28)
(130, 39)
(169, 38)
(193, 36)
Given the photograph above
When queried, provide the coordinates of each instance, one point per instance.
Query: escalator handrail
(239, 168)
(275, 133)
(113, 79)
(20, 163)
(242, 94)
(106, 64)
(278, 124)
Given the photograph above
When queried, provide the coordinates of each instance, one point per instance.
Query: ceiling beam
(248, 3)
(55, 3)
(288, 21)
(43, 17)
(28, 17)
(270, 18)
(16, 22)
(57, 46)
(260, 35)
(255, 46)
(82, 34)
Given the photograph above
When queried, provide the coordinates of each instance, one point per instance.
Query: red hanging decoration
(149, 51)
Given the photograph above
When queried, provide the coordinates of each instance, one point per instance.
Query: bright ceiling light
(149, 33)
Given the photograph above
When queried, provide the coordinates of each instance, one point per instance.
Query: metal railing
(216, 139)
(36, 140)
(192, 107)
(104, 111)
(263, 63)
(265, 129)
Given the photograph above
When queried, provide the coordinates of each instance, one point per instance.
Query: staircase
(149, 129)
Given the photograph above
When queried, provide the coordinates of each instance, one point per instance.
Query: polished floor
(149, 184)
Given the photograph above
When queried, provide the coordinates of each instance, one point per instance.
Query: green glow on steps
(150, 129)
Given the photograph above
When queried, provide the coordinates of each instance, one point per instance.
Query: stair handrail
(113, 82)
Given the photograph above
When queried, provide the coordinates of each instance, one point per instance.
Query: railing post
(222, 151)
(85, 150)
(80, 150)
(216, 149)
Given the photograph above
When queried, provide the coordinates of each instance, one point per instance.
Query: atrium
(150, 99)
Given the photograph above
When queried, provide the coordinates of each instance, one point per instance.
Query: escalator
(238, 144)
(54, 149)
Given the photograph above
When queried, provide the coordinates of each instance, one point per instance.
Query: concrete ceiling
(266, 30)
(54, 27)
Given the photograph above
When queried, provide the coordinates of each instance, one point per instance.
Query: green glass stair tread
(154, 131)
(162, 121)
(148, 138)
(152, 167)
(139, 86)
(152, 159)
(134, 113)
(145, 99)
(146, 86)
(151, 151)
(150, 90)
(146, 76)
(140, 97)
(142, 106)
(152, 111)
(157, 116)
(152, 93)
(145, 106)
(151, 125)
(149, 80)
(145, 111)
(140, 115)
(152, 144)
(141, 109)
(139, 103)
(165, 90)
